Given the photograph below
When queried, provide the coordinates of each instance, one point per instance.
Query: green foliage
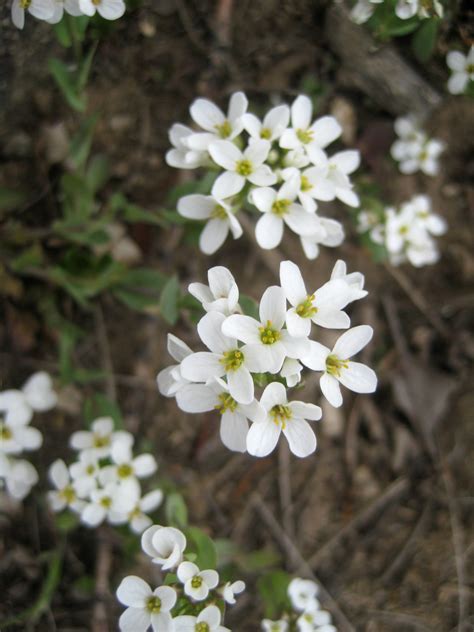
(273, 592)
(99, 405)
(249, 306)
(424, 40)
(202, 548)
(176, 511)
(169, 301)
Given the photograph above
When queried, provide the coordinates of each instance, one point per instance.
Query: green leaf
(132, 213)
(63, 34)
(82, 141)
(204, 186)
(11, 199)
(85, 68)
(136, 300)
(273, 592)
(424, 40)
(203, 546)
(169, 301)
(101, 406)
(31, 257)
(176, 511)
(66, 521)
(145, 278)
(249, 306)
(97, 173)
(66, 81)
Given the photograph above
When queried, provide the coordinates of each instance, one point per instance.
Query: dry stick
(300, 565)
(365, 519)
(458, 544)
(398, 565)
(417, 299)
(100, 620)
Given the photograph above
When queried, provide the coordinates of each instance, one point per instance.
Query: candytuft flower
(197, 583)
(217, 125)
(146, 607)
(165, 545)
(462, 70)
(40, 9)
(222, 293)
(108, 9)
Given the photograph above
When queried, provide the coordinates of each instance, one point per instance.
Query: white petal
(196, 206)
(348, 197)
(29, 438)
(292, 283)
(187, 570)
(347, 161)
(262, 438)
(39, 393)
(206, 114)
(301, 438)
(167, 595)
(331, 390)
(273, 395)
(134, 620)
(111, 9)
(227, 184)
(133, 591)
(213, 235)
(241, 385)
(456, 60)
(352, 341)
(252, 125)
(221, 281)
(301, 222)
(457, 83)
(260, 358)
(210, 615)
(144, 465)
(225, 154)
(211, 578)
(18, 15)
(269, 231)
(59, 474)
(263, 198)
(233, 431)
(304, 410)
(210, 331)
(41, 9)
(162, 622)
(277, 120)
(289, 139)
(262, 176)
(272, 307)
(177, 349)
(359, 378)
(196, 398)
(301, 112)
(257, 151)
(297, 326)
(326, 129)
(242, 328)
(332, 319)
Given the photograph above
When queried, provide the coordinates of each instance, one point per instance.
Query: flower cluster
(414, 150)
(307, 615)
(462, 70)
(52, 11)
(404, 9)
(16, 435)
(187, 603)
(103, 484)
(269, 350)
(407, 232)
(279, 169)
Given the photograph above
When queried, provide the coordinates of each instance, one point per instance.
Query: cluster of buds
(245, 353)
(17, 407)
(104, 482)
(276, 167)
(192, 599)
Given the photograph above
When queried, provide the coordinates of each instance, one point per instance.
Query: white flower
(225, 358)
(66, 493)
(138, 518)
(406, 9)
(217, 125)
(283, 416)
(40, 9)
(462, 67)
(297, 158)
(199, 398)
(146, 607)
(165, 545)
(337, 366)
(305, 133)
(39, 393)
(197, 584)
(291, 371)
(279, 208)
(181, 156)
(323, 307)
(274, 626)
(363, 10)
(70, 6)
(100, 438)
(313, 618)
(109, 502)
(355, 280)
(330, 234)
(85, 472)
(340, 166)
(419, 207)
(222, 293)
(15, 433)
(231, 589)
(313, 185)
(108, 9)
(240, 167)
(17, 475)
(414, 150)
(170, 380)
(125, 465)
(220, 218)
(208, 620)
(302, 593)
(266, 342)
(274, 123)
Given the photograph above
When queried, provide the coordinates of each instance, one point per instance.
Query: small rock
(345, 113)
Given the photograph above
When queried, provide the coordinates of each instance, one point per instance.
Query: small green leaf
(30, 258)
(249, 306)
(82, 141)
(101, 406)
(66, 521)
(273, 592)
(424, 40)
(63, 34)
(85, 68)
(176, 511)
(169, 301)
(203, 546)
(97, 173)
(66, 82)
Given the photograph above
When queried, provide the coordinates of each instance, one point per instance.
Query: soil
(383, 511)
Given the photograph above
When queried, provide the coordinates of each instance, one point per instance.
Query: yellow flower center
(5, 432)
(106, 502)
(101, 441)
(305, 184)
(266, 133)
(232, 360)
(96, 2)
(244, 168)
(227, 402)
(153, 604)
(24, 4)
(403, 230)
(281, 414)
(202, 627)
(218, 212)
(124, 470)
(306, 309)
(196, 581)
(224, 129)
(305, 136)
(90, 469)
(68, 494)
(268, 335)
(280, 207)
(335, 364)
